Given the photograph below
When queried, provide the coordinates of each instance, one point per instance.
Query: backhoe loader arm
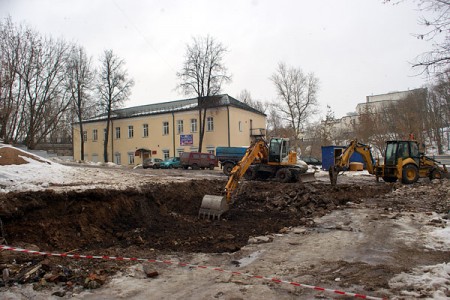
(343, 161)
(257, 151)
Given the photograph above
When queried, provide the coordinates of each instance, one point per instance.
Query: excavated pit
(164, 217)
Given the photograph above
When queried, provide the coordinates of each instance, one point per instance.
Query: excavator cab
(278, 149)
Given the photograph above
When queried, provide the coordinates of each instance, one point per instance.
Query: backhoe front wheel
(435, 174)
(410, 174)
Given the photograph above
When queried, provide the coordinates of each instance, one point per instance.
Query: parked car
(170, 163)
(311, 160)
(197, 160)
(151, 163)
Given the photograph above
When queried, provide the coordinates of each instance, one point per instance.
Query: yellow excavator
(262, 160)
(402, 161)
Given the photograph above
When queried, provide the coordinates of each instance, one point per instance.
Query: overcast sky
(355, 47)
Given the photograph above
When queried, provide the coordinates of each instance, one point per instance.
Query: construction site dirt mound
(15, 156)
(165, 216)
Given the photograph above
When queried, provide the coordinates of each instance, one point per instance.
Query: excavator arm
(343, 161)
(215, 206)
(257, 151)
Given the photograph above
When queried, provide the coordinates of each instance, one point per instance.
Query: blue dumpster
(329, 153)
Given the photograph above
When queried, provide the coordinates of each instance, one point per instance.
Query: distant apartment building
(167, 129)
(373, 104)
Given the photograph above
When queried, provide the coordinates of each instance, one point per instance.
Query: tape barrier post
(180, 264)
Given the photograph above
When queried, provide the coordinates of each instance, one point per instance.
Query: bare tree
(246, 97)
(437, 30)
(114, 88)
(80, 76)
(11, 89)
(276, 126)
(438, 108)
(297, 94)
(42, 74)
(203, 74)
(326, 127)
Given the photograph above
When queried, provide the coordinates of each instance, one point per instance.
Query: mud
(165, 216)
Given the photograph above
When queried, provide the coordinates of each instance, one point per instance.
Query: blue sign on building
(186, 139)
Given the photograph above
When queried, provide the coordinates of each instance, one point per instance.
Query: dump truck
(228, 157)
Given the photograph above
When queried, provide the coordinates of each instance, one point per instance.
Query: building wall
(158, 142)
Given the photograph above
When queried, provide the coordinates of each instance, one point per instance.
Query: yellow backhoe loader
(262, 160)
(402, 161)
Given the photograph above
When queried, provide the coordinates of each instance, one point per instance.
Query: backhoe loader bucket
(307, 177)
(333, 172)
(213, 206)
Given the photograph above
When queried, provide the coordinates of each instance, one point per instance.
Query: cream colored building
(167, 129)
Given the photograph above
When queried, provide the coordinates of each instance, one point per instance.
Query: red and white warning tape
(180, 264)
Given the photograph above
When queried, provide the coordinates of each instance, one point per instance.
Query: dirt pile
(14, 156)
(164, 216)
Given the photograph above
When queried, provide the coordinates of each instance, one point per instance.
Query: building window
(95, 158)
(165, 128)
(210, 124)
(240, 126)
(117, 158)
(210, 150)
(94, 135)
(84, 136)
(193, 125)
(179, 126)
(131, 158)
(165, 154)
(145, 128)
(130, 131)
(117, 132)
(179, 151)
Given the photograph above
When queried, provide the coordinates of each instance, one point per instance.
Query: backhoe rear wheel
(284, 175)
(250, 174)
(410, 174)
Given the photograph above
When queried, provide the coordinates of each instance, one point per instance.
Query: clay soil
(161, 219)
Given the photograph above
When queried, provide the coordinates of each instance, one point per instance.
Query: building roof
(176, 106)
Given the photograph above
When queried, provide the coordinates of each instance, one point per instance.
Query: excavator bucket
(307, 177)
(213, 206)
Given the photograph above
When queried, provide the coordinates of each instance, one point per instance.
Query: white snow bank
(429, 281)
(35, 175)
